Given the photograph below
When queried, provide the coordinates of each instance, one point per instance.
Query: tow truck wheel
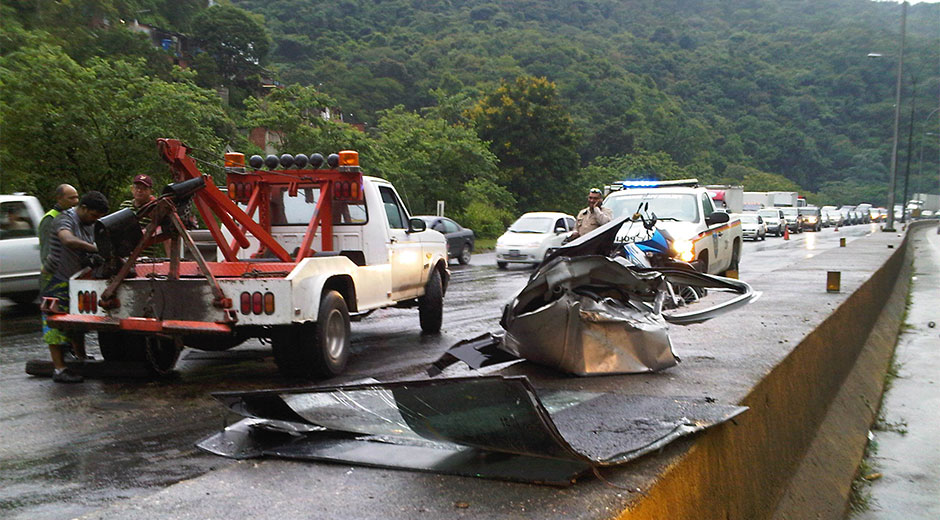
(315, 350)
(431, 305)
(161, 354)
(158, 353)
(119, 346)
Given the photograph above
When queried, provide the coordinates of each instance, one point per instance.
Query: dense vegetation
(495, 107)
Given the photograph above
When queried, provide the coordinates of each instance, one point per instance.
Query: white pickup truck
(19, 247)
(353, 248)
(708, 239)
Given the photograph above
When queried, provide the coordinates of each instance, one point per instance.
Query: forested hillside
(494, 106)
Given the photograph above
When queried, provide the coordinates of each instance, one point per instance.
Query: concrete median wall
(794, 453)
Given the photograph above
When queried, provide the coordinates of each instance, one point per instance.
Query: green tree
(96, 126)
(429, 159)
(300, 116)
(237, 41)
(530, 131)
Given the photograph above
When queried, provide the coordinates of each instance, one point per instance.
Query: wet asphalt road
(67, 450)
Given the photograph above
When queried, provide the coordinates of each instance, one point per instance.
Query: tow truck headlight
(684, 249)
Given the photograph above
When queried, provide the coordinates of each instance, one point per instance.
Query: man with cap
(142, 193)
(593, 216)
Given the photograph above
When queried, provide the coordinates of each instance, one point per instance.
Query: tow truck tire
(315, 350)
(431, 305)
(118, 346)
(158, 353)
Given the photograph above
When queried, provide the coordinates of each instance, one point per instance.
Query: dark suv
(812, 217)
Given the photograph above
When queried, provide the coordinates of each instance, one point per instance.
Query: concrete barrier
(795, 453)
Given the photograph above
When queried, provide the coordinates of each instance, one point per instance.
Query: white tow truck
(708, 239)
(304, 250)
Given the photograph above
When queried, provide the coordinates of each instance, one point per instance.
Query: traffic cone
(786, 232)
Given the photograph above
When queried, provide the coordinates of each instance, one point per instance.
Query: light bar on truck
(349, 161)
(688, 183)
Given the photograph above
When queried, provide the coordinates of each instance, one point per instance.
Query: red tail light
(269, 303)
(246, 303)
(94, 302)
(257, 305)
(81, 301)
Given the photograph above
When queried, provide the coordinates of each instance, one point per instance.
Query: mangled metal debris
(597, 313)
(490, 427)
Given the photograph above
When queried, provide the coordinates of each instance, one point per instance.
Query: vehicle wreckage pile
(586, 310)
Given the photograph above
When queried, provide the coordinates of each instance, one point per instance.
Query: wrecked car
(587, 310)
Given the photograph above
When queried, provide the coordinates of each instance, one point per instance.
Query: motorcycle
(651, 247)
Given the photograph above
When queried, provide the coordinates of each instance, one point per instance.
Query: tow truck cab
(304, 250)
(708, 239)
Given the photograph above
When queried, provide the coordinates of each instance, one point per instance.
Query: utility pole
(910, 143)
(889, 225)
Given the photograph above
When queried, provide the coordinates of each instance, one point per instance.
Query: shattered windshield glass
(666, 206)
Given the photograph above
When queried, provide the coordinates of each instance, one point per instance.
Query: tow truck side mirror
(416, 225)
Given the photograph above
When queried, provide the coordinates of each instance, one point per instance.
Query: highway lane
(69, 450)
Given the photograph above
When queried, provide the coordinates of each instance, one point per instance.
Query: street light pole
(889, 225)
(910, 147)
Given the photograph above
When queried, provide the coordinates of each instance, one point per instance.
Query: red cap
(144, 179)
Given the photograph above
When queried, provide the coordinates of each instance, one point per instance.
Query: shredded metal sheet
(490, 427)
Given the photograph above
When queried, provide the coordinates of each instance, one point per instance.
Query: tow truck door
(404, 250)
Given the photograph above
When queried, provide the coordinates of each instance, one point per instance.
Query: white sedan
(531, 237)
(753, 226)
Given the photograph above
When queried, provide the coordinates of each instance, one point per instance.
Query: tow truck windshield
(666, 206)
(297, 210)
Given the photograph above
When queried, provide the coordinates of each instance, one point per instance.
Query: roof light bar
(656, 183)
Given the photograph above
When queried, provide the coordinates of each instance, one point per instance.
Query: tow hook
(111, 303)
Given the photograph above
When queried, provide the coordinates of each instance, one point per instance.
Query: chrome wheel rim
(335, 334)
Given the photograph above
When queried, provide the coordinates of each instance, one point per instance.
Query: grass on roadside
(484, 245)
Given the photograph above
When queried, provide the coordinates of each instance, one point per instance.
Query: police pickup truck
(708, 239)
(304, 247)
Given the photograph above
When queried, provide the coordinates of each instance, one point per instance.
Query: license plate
(514, 252)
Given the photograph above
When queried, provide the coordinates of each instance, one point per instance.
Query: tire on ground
(315, 350)
(431, 305)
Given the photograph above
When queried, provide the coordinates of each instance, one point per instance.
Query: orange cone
(786, 232)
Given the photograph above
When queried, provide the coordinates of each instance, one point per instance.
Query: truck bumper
(142, 325)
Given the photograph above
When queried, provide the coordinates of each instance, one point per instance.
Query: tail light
(81, 301)
(269, 303)
(246, 303)
(94, 302)
(257, 303)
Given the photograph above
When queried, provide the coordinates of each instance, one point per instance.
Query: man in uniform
(593, 216)
(72, 242)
